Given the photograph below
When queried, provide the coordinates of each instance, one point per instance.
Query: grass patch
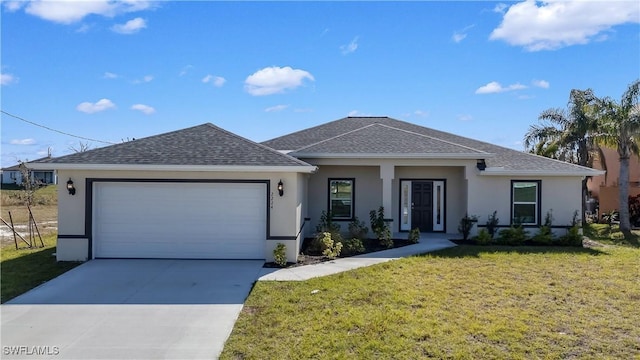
(46, 195)
(467, 302)
(22, 270)
(611, 235)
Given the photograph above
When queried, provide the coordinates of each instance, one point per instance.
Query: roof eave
(507, 172)
(465, 156)
(150, 167)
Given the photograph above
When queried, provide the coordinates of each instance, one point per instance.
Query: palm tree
(620, 128)
(567, 135)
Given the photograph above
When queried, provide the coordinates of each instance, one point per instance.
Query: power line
(54, 130)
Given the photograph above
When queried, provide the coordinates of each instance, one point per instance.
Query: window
(341, 198)
(525, 196)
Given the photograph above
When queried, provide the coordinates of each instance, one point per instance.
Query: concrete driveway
(130, 309)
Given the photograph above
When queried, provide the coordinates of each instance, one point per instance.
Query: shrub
(484, 237)
(357, 229)
(634, 209)
(326, 223)
(414, 235)
(380, 227)
(316, 246)
(331, 248)
(466, 224)
(545, 235)
(492, 224)
(514, 236)
(280, 255)
(572, 238)
(352, 246)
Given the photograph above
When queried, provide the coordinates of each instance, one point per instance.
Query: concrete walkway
(428, 242)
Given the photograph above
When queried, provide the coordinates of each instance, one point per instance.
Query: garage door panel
(180, 220)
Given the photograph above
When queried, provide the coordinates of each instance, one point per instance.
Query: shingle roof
(204, 144)
(382, 139)
(508, 159)
(16, 167)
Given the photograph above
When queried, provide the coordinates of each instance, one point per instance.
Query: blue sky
(116, 70)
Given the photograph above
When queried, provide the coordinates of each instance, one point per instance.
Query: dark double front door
(422, 205)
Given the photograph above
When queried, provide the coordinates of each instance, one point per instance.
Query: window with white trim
(525, 202)
(341, 195)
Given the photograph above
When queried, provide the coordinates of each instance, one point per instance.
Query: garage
(179, 220)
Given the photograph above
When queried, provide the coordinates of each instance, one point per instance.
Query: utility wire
(54, 130)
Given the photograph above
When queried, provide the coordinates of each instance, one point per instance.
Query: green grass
(467, 302)
(46, 195)
(611, 235)
(22, 270)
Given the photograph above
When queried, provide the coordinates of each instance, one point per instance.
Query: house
(604, 188)
(13, 175)
(203, 192)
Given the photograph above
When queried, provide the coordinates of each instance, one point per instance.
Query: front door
(422, 205)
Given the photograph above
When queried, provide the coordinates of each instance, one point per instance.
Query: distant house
(604, 188)
(13, 175)
(206, 193)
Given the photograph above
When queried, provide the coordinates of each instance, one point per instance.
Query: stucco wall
(286, 212)
(493, 193)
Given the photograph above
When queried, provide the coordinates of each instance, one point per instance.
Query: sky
(112, 71)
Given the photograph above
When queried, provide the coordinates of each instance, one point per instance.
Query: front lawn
(22, 270)
(467, 302)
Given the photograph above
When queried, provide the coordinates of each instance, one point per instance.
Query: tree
(619, 125)
(81, 147)
(567, 135)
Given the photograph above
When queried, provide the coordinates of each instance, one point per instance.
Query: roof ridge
(334, 137)
(433, 138)
(272, 150)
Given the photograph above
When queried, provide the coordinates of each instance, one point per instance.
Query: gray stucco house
(204, 192)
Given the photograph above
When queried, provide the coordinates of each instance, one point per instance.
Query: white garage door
(179, 220)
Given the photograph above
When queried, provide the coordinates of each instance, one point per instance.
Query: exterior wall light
(70, 187)
(280, 188)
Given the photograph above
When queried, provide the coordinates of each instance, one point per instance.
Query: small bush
(357, 229)
(484, 237)
(326, 223)
(515, 235)
(572, 238)
(545, 235)
(331, 248)
(352, 246)
(466, 224)
(316, 246)
(280, 255)
(492, 224)
(414, 236)
(380, 227)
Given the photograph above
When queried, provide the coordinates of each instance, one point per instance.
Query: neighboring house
(604, 188)
(203, 192)
(13, 175)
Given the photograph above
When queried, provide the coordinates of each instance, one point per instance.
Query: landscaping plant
(357, 229)
(352, 246)
(280, 255)
(331, 248)
(484, 237)
(380, 227)
(492, 223)
(414, 235)
(466, 224)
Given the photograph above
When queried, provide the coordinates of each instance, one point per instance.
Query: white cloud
(421, 113)
(494, 87)
(460, 35)
(185, 70)
(90, 108)
(500, 8)
(12, 6)
(130, 27)
(71, 11)
(274, 80)
(7, 79)
(145, 109)
(217, 81)
(83, 28)
(22, 142)
(276, 108)
(541, 84)
(350, 47)
(465, 117)
(110, 75)
(145, 79)
(551, 25)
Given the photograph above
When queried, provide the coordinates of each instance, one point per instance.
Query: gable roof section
(204, 145)
(504, 160)
(16, 167)
(379, 140)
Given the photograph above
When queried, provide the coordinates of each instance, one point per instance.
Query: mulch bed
(370, 245)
